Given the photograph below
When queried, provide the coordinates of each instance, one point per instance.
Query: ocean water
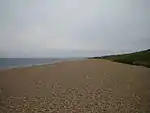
(26, 62)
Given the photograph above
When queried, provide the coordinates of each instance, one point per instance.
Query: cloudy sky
(48, 28)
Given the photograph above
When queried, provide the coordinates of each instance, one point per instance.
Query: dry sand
(88, 86)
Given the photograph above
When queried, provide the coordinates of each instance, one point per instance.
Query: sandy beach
(88, 86)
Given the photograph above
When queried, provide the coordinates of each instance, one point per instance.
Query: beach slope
(88, 86)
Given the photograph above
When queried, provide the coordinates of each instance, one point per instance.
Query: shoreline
(28, 66)
(40, 64)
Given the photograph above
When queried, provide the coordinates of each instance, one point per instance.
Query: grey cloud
(73, 27)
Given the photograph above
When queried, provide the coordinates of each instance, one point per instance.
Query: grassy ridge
(138, 58)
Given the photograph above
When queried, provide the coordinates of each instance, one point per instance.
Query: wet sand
(88, 86)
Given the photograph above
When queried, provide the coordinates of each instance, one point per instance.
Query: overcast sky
(48, 28)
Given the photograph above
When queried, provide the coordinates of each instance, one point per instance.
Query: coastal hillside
(141, 58)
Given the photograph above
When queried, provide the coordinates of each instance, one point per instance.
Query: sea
(7, 63)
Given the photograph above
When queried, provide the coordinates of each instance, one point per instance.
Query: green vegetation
(141, 58)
